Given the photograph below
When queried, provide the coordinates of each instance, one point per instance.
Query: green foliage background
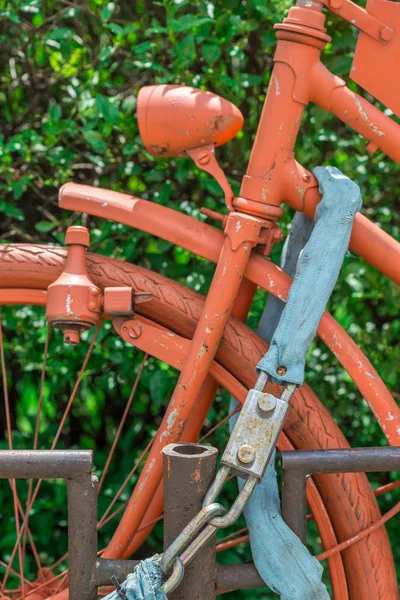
(70, 73)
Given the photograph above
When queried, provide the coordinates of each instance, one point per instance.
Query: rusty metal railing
(189, 469)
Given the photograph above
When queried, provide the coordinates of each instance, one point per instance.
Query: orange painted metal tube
(205, 240)
(355, 111)
(280, 119)
(241, 234)
(196, 419)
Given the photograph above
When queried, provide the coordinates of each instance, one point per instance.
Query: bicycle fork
(242, 233)
(260, 421)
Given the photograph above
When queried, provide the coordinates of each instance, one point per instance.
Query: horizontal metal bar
(229, 577)
(107, 567)
(342, 460)
(46, 464)
(238, 577)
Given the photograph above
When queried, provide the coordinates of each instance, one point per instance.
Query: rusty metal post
(189, 470)
(294, 504)
(82, 545)
(75, 466)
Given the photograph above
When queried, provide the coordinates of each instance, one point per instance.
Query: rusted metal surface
(82, 537)
(107, 567)
(188, 472)
(256, 430)
(228, 577)
(46, 464)
(238, 577)
(294, 505)
(75, 466)
(343, 460)
(297, 465)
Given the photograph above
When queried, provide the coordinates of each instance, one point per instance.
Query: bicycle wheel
(342, 504)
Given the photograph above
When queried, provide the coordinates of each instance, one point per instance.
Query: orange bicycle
(205, 339)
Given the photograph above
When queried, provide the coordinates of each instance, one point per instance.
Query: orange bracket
(360, 18)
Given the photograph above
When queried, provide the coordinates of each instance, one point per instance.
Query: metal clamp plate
(256, 431)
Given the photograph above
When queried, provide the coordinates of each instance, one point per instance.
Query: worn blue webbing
(317, 271)
(281, 559)
(143, 584)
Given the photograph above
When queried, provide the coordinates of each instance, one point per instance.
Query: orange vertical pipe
(241, 234)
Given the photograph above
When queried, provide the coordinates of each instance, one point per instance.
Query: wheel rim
(49, 583)
(8, 301)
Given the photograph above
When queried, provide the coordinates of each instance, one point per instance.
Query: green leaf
(106, 109)
(20, 186)
(10, 210)
(189, 22)
(107, 12)
(211, 52)
(95, 139)
(55, 112)
(186, 51)
(45, 226)
(158, 388)
(61, 33)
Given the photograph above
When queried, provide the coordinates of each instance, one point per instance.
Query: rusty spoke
(127, 480)
(35, 445)
(14, 572)
(122, 422)
(218, 425)
(361, 534)
(12, 482)
(53, 445)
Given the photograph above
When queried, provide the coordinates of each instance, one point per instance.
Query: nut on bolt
(386, 34)
(246, 454)
(266, 402)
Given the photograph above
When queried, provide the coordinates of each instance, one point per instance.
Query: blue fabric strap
(281, 559)
(317, 271)
(143, 584)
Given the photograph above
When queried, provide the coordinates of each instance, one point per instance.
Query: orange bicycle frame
(273, 177)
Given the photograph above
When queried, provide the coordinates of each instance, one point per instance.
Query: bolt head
(386, 34)
(135, 332)
(278, 235)
(266, 402)
(306, 177)
(246, 454)
(281, 371)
